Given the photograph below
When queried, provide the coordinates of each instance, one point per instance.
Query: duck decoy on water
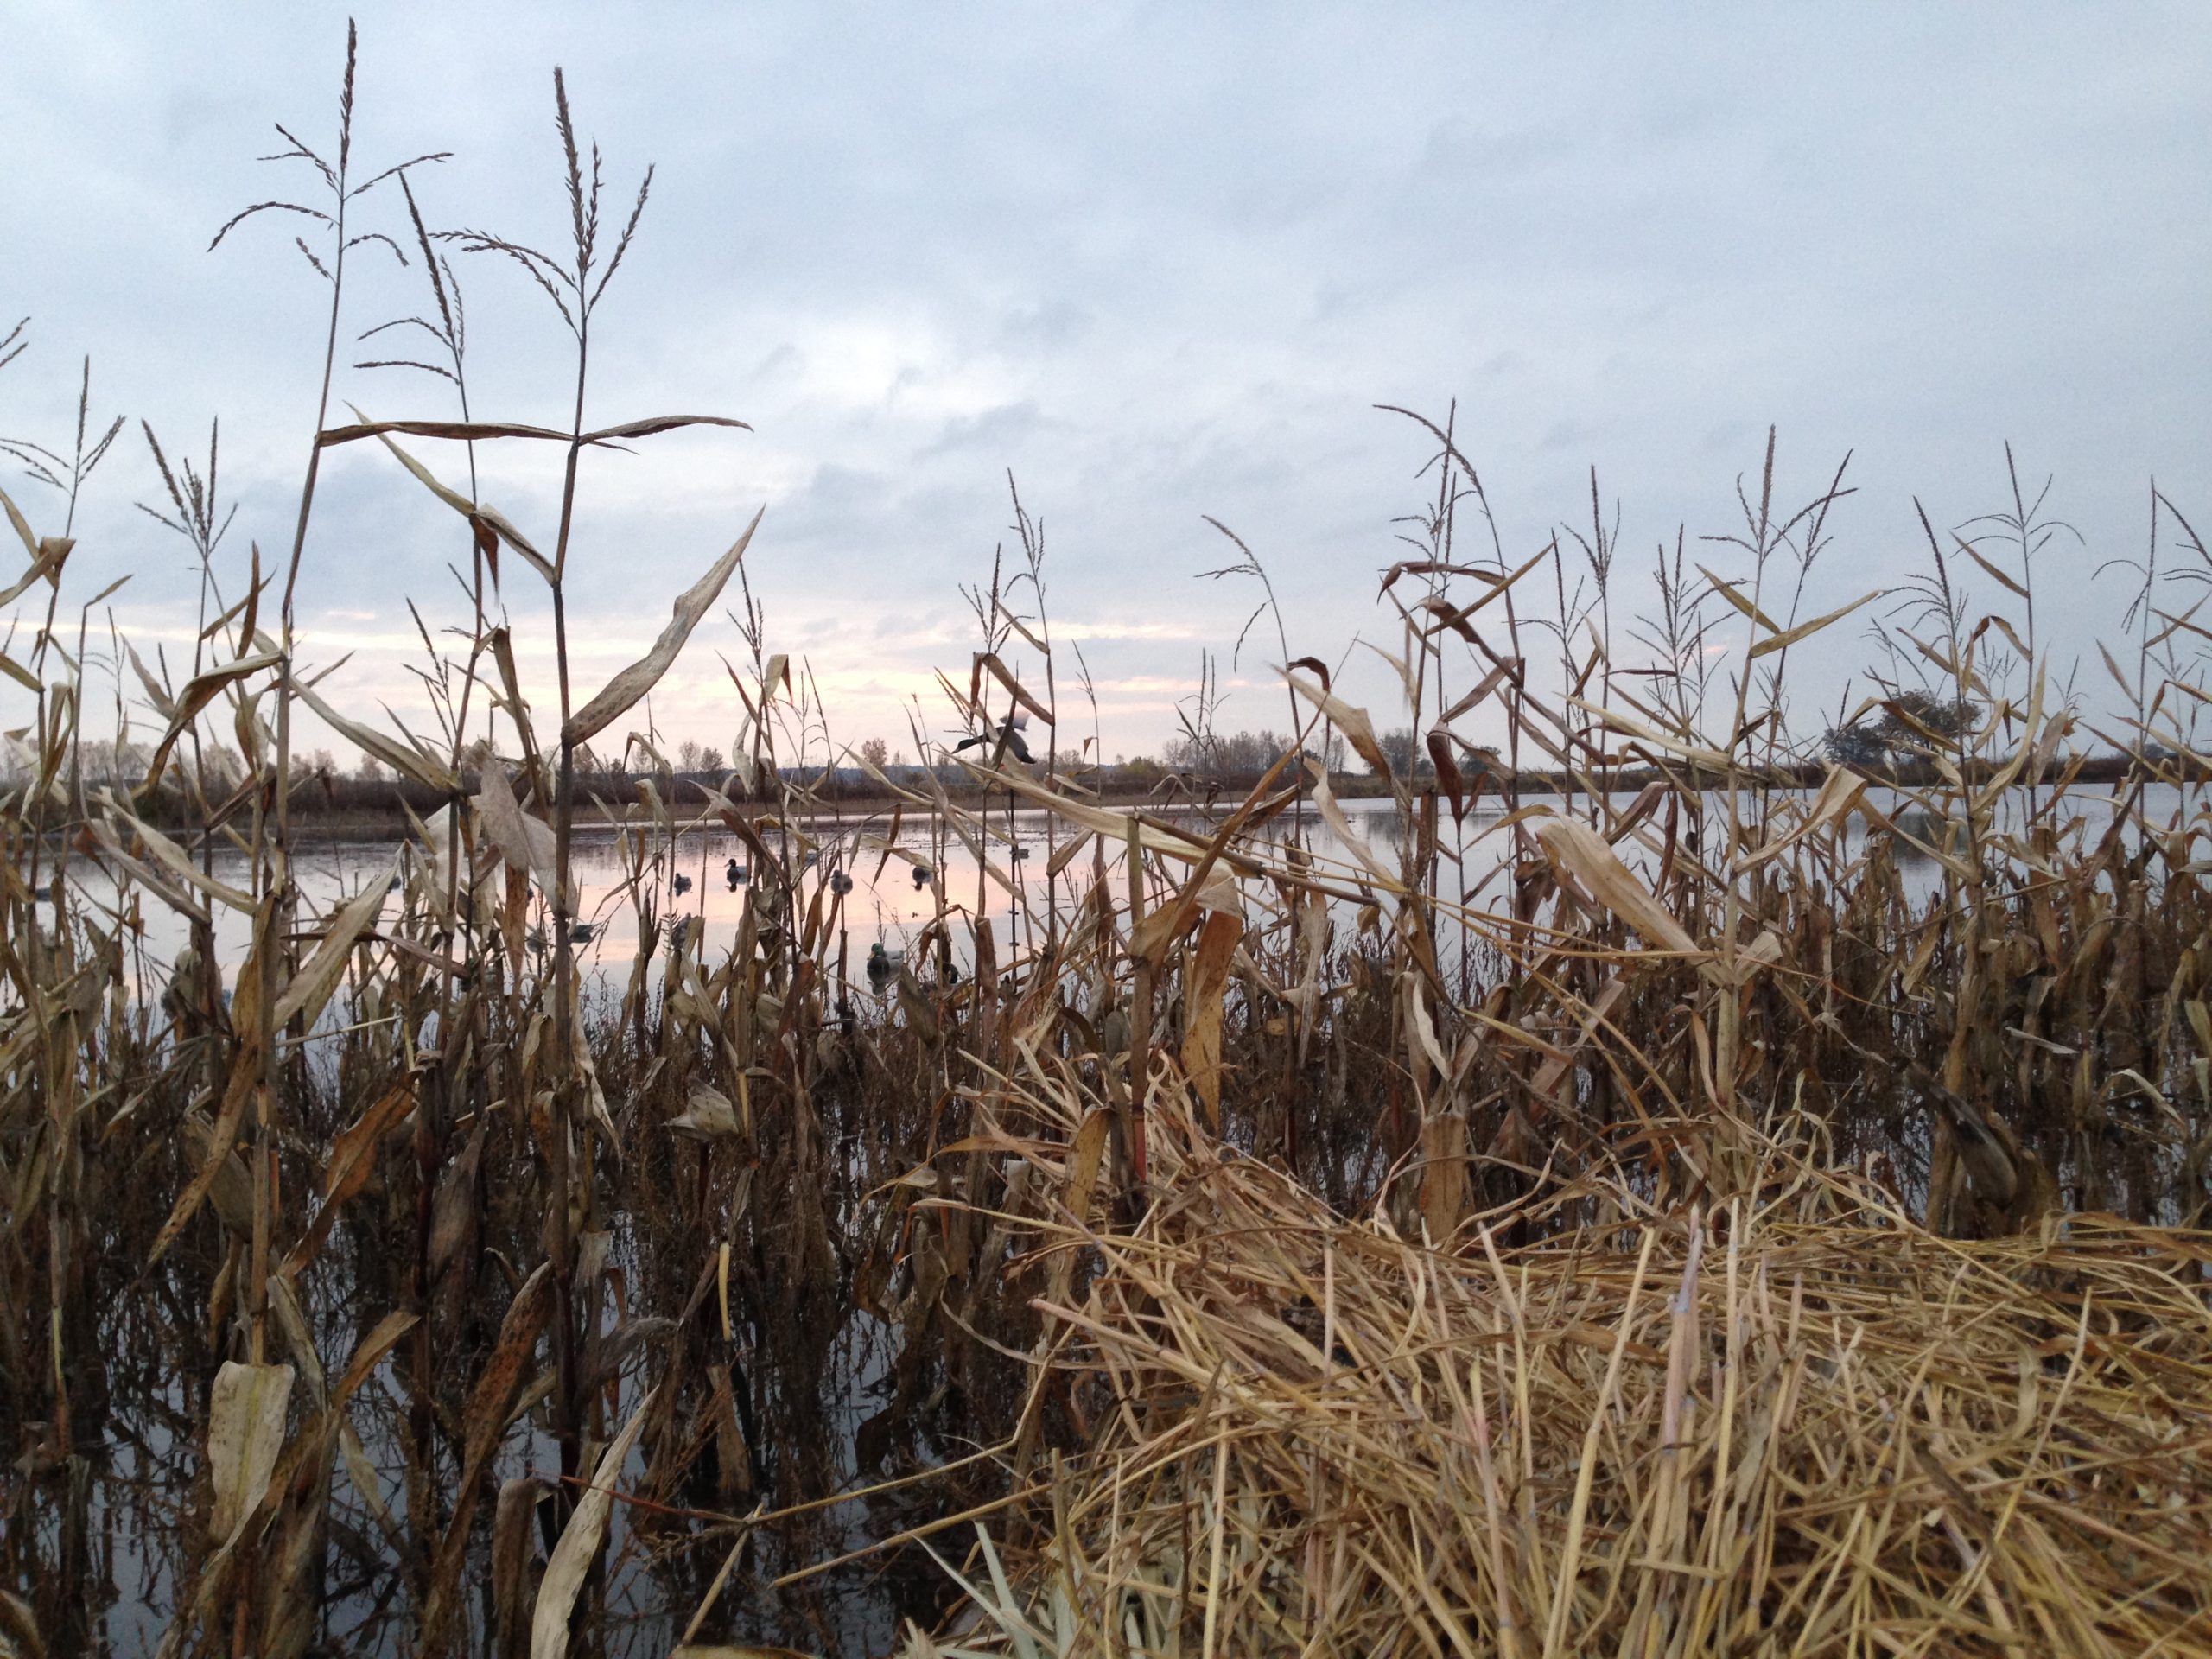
(922, 875)
(583, 932)
(681, 883)
(735, 874)
(840, 882)
(883, 966)
(1009, 731)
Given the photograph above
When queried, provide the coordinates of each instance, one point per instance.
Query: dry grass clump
(1792, 1422)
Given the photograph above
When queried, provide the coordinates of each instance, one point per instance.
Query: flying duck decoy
(1010, 731)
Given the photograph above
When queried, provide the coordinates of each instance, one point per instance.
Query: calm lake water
(691, 880)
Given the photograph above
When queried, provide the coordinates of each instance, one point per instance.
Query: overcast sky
(1157, 262)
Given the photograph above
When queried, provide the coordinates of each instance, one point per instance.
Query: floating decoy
(883, 966)
(922, 875)
(583, 932)
(840, 882)
(1020, 852)
(681, 883)
(735, 872)
(1009, 732)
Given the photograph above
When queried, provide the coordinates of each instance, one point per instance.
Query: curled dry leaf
(708, 1116)
(199, 691)
(1358, 730)
(633, 681)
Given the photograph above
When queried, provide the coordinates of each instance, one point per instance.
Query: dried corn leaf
(1358, 730)
(578, 1547)
(1585, 855)
(246, 1432)
(633, 681)
(319, 976)
(1209, 983)
(528, 843)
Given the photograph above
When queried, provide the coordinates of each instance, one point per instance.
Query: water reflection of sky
(885, 904)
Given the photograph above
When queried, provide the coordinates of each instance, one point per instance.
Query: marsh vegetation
(1749, 1189)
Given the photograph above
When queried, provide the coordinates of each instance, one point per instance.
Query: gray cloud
(1161, 262)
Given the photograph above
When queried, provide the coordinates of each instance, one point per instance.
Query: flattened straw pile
(1795, 1423)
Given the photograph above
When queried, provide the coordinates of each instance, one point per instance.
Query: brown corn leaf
(1085, 1159)
(1839, 793)
(1447, 771)
(2004, 581)
(1483, 687)
(174, 859)
(633, 681)
(47, 555)
(1703, 755)
(1210, 965)
(1333, 815)
(352, 1160)
(23, 529)
(469, 431)
(478, 515)
(1066, 852)
(647, 428)
(990, 659)
(484, 1424)
(157, 693)
(1358, 731)
(373, 1347)
(109, 850)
